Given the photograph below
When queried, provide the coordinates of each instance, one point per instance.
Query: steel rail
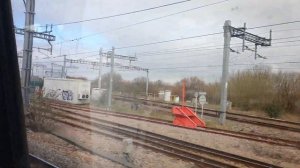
(230, 117)
(248, 136)
(156, 146)
(39, 162)
(230, 113)
(149, 135)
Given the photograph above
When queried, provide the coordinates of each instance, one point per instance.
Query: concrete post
(127, 150)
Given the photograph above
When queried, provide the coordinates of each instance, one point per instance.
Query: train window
(176, 83)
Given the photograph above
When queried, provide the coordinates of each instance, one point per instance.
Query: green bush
(273, 110)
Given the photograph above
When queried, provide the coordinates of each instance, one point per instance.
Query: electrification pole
(241, 33)
(147, 83)
(100, 68)
(51, 70)
(111, 78)
(224, 82)
(43, 73)
(63, 71)
(27, 50)
(29, 33)
(32, 69)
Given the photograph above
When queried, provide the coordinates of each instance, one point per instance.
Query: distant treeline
(247, 90)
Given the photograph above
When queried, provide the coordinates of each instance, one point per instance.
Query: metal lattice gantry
(242, 34)
(111, 64)
(40, 35)
(107, 64)
(116, 56)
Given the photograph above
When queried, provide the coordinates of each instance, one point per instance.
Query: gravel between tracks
(229, 125)
(255, 129)
(278, 155)
(142, 157)
(59, 152)
(63, 154)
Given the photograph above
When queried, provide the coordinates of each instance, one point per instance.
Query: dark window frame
(13, 142)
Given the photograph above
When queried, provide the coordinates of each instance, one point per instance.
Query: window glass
(136, 83)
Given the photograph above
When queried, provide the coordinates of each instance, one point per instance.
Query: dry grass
(36, 117)
(153, 112)
(289, 116)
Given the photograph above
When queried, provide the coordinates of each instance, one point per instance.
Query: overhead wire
(180, 50)
(167, 41)
(205, 35)
(280, 30)
(222, 32)
(146, 44)
(149, 20)
(282, 38)
(163, 52)
(123, 14)
(199, 66)
(198, 55)
(275, 24)
(218, 33)
(71, 54)
(174, 57)
(192, 37)
(291, 41)
(185, 71)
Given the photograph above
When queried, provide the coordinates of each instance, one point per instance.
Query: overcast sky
(165, 59)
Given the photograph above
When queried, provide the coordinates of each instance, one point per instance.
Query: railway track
(36, 162)
(200, 155)
(266, 122)
(248, 136)
(39, 162)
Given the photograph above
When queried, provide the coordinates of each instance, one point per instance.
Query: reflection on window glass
(188, 83)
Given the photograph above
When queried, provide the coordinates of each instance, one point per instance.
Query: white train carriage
(75, 91)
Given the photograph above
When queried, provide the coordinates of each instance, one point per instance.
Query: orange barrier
(186, 117)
